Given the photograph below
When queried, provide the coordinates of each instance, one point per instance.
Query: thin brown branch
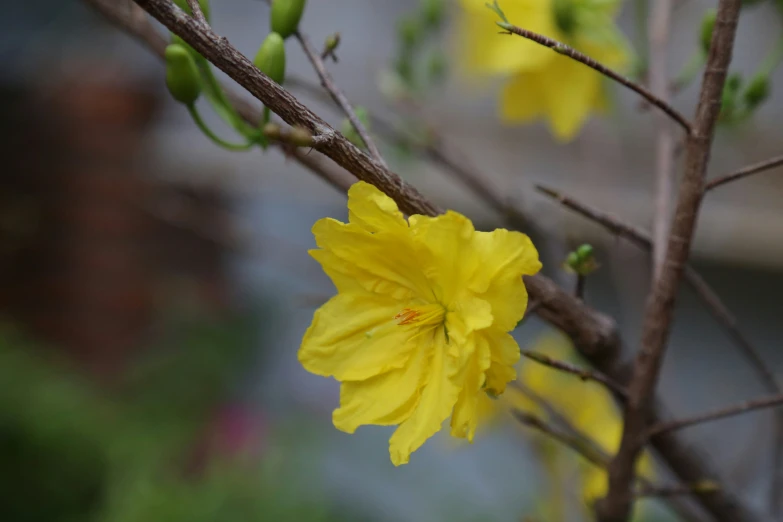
(572, 53)
(583, 373)
(580, 445)
(703, 290)
(588, 449)
(616, 506)
(703, 487)
(744, 172)
(198, 14)
(660, 18)
(337, 95)
(719, 413)
(435, 149)
(716, 307)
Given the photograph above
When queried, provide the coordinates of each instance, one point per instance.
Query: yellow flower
(419, 324)
(542, 83)
(587, 405)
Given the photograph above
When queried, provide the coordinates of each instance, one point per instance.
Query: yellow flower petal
(373, 210)
(482, 49)
(354, 337)
(464, 418)
(521, 100)
(504, 258)
(382, 400)
(569, 107)
(504, 354)
(446, 254)
(437, 400)
(384, 260)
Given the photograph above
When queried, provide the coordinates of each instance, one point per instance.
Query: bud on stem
(285, 15)
(182, 76)
(270, 58)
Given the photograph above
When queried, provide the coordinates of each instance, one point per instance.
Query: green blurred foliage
(72, 451)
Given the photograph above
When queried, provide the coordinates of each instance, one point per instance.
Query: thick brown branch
(583, 373)
(337, 95)
(744, 172)
(572, 53)
(617, 505)
(719, 413)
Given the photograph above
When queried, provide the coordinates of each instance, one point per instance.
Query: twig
(583, 373)
(339, 98)
(581, 282)
(583, 447)
(704, 487)
(593, 453)
(198, 14)
(703, 290)
(664, 147)
(714, 305)
(616, 506)
(668, 446)
(719, 413)
(440, 153)
(572, 53)
(744, 172)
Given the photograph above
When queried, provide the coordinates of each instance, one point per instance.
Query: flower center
(425, 315)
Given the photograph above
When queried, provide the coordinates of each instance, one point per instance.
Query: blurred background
(154, 288)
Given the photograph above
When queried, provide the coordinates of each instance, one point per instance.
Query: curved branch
(572, 53)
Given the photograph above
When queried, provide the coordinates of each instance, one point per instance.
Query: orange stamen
(407, 316)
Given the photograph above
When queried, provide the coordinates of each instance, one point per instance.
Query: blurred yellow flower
(542, 83)
(419, 325)
(587, 405)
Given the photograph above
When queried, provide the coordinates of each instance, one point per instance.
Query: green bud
(436, 66)
(757, 91)
(285, 15)
(409, 31)
(572, 261)
(182, 77)
(734, 82)
(183, 4)
(270, 58)
(707, 26)
(432, 12)
(584, 252)
(729, 104)
(331, 43)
